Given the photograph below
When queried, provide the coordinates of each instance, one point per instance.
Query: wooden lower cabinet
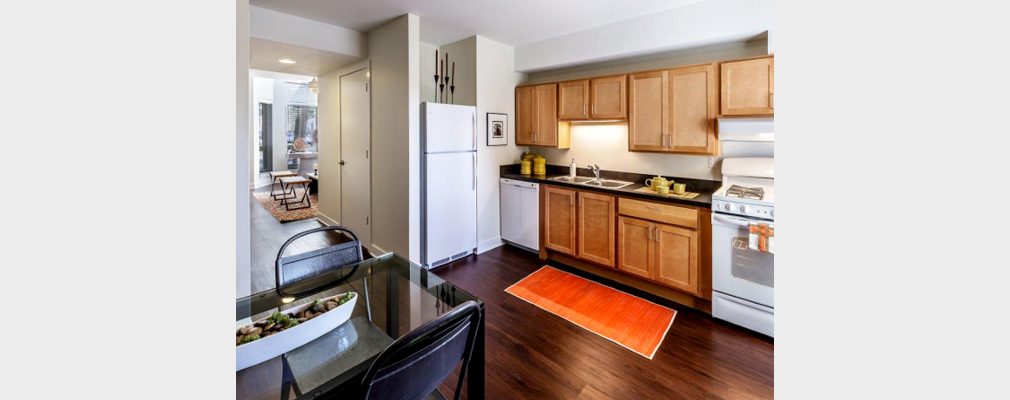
(676, 262)
(559, 219)
(663, 253)
(657, 242)
(596, 215)
(637, 254)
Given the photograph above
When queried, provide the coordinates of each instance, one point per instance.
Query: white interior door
(355, 148)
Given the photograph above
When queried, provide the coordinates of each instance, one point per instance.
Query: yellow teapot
(658, 182)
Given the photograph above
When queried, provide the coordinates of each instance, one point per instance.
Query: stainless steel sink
(607, 183)
(577, 179)
(600, 183)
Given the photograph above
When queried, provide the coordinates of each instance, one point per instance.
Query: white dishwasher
(520, 213)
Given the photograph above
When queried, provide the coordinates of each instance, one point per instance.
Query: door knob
(341, 162)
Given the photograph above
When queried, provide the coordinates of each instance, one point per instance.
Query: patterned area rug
(633, 323)
(282, 214)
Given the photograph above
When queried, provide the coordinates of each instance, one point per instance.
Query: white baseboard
(326, 220)
(264, 184)
(489, 244)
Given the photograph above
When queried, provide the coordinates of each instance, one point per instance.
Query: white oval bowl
(258, 351)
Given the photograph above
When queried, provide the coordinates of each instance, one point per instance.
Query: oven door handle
(729, 221)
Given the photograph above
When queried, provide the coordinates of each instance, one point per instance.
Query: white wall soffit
(284, 28)
(700, 24)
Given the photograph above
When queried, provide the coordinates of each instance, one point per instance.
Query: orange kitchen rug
(636, 324)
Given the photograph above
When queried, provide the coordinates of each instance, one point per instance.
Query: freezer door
(449, 128)
(450, 205)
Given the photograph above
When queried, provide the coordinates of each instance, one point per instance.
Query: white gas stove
(743, 278)
(748, 188)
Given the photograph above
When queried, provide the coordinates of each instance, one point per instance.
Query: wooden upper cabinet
(637, 254)
(525, 115)
(692, 103)
(559, 219)
(676, 257)
(596, 217)
(608, 97)
(546, 129)
(674, 111)
(748, 87)
(537, 117)
(573, 100)
(647, 111)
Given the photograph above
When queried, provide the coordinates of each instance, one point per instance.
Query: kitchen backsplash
(606, 144)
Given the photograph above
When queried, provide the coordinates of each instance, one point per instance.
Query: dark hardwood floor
(267, 236)
(533, 354)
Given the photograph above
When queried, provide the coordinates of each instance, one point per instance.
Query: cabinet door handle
(664, 141)
(653, 208)
(650, 233)
(594, 109)
(583, 109)
(657, 234)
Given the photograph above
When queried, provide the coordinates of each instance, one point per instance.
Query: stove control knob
(744, 208)
(727, 207)
(772, 213)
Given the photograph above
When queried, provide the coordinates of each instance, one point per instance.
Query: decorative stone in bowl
(285, 331)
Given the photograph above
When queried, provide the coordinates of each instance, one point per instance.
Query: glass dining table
(396, 297)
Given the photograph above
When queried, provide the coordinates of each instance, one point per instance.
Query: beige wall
(243, 256)
(464, 54)
(394, 54)
(496, 82)
(606, 144)
(426, 81)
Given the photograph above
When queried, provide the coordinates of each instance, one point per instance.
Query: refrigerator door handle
(474, 171)
(474, 134)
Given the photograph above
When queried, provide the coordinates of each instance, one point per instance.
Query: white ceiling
(309, 62)
(513, 22)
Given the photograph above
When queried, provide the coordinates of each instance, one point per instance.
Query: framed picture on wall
(497, 129)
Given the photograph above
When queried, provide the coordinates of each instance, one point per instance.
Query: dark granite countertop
(703, 187)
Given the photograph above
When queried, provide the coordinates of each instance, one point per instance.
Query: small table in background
(290, 194)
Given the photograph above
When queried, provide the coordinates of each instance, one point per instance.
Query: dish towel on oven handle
(762, 237)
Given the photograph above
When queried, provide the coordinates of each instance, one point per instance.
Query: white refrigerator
(448, 182)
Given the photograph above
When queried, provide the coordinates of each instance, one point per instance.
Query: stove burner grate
(753, 193)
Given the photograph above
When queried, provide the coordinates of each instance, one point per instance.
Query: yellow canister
(524, 167)
(539, 166)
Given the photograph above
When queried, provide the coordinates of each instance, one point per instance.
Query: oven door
(736, 269)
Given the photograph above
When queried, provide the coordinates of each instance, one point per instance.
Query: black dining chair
(302, 266)
(415, 364)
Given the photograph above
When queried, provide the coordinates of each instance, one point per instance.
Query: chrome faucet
(596, 170)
